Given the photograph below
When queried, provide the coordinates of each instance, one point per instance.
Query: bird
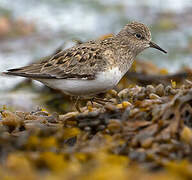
(92, 67)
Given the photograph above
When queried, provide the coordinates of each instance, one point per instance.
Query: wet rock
(159, 90)
(114, 126)
(152, 128)
(124, 93)
(110, 107)
(68, 116)
(150, 89)
(153, 96)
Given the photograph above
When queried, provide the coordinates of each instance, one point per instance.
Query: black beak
(153, 45)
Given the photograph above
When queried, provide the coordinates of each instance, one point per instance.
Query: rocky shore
(145, 133)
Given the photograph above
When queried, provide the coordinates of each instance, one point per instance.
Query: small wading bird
(92, 67)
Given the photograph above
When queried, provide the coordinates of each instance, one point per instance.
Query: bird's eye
(138, 36)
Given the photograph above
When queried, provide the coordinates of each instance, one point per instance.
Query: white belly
(83, 87)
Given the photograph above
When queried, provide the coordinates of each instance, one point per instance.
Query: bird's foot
(77, 105)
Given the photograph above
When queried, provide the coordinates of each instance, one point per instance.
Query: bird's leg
(77, 104)
(92, 100)
(99, 100)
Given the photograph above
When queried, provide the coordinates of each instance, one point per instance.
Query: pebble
(150, 89)
(173, 91)
(126, 104)
(159, 90)
(83, 124)
(80, 116)
(87, 128)
(94, 123)
(168, 89)
(68, 116)
(153, 96)
(41, 113)
(134, 111)
(125, 115)
(110, 107)
(112, 92)
(101, 127)
(53, 118)
(188, 83)
(119, 106)
(21, 114)
(40, 120)
(114, 126)
(146, 143)
(34, 117)
(141, 96)
(90, 108)
(70, 123)
(123, 94)
(89, 122)
(34, 125)
(93, 114)
(10, 119)
(113, 100)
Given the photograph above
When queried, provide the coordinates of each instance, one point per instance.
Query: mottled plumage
(92, 67)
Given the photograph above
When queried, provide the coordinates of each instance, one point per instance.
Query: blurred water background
(31, 29)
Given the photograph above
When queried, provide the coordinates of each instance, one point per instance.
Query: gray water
(61, 21)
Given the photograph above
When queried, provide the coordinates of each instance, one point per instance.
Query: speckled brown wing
(82, 61)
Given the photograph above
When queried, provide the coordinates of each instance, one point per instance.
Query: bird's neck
(125, 59)
(124, 56)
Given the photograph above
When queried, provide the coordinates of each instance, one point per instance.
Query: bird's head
(137, 37)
